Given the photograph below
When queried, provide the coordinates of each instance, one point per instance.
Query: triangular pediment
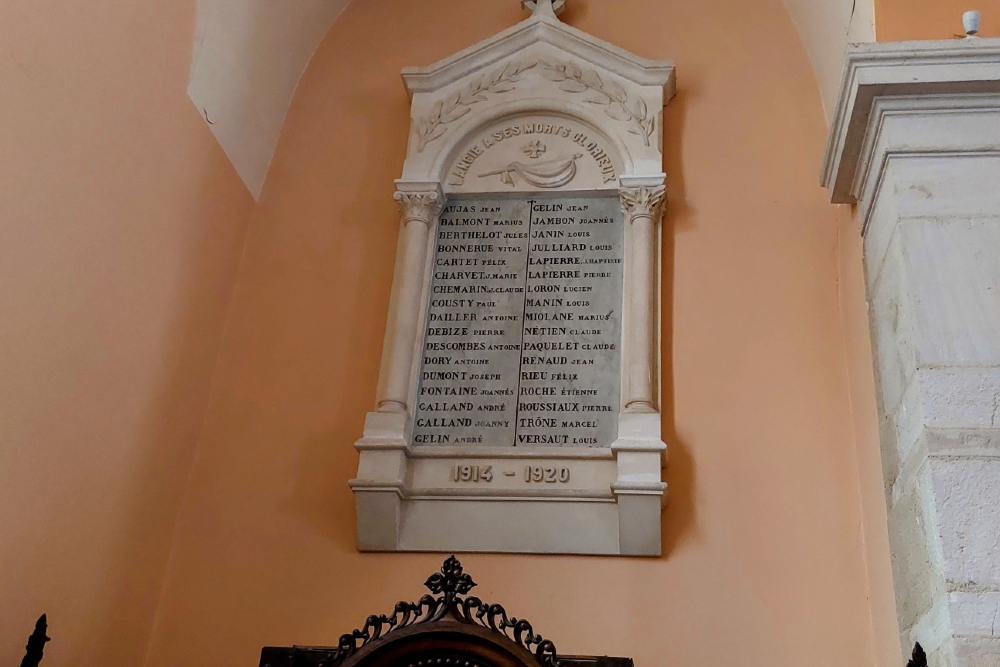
(541, 28)
(600, 106)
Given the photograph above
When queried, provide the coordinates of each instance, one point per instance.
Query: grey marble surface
(522, 344)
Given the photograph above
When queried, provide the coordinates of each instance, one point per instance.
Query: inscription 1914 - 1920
(523, 334)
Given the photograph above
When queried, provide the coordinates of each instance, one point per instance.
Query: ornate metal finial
(36, 644)
(919, 658)
(544, 7)
(450, 580)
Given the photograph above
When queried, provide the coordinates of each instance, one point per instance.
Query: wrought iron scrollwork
(36, 644)
(449, 586)
(918, 658)
(493, 616)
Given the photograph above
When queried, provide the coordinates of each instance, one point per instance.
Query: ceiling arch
(826, 28)
(250, 54)
(247, 61)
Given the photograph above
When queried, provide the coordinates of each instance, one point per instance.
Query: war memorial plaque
(523, 333)
(518, 400)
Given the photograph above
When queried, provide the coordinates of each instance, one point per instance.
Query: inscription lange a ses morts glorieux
(522, 343)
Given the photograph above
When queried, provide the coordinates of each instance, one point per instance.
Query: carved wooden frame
(548, 73)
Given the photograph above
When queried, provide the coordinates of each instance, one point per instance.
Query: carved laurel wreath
(572, 79)
(449, 585)
(453, 107)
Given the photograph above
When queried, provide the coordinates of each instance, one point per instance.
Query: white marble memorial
(518, 402)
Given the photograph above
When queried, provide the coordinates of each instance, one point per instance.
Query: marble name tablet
(522, 343)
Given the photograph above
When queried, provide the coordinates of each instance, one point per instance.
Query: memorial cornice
(541, 28)
(900, 98)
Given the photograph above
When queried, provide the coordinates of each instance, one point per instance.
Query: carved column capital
(422, 206)
(644, 202)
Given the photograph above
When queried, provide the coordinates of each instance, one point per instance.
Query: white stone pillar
(643, 207)
(639, 451)
(419, 210)
(916, 144)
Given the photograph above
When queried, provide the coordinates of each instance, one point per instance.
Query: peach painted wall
(857, 347)
(897, 20)
(764, 560)
(121, 224)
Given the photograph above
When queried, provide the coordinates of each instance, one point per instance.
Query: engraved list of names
(522, 345)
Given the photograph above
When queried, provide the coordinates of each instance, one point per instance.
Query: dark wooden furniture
(445, 629)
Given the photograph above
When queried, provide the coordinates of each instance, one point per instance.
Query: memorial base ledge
(609, 505)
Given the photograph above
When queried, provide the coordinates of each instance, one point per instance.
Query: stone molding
(550, 30)
(909, 84)
(915, 143)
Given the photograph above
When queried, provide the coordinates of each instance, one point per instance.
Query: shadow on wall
(170, 431)
(320, 494)
(678, 520)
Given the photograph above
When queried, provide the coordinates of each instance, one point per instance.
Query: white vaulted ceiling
(826, 28)
(249, 55)
(248, 58)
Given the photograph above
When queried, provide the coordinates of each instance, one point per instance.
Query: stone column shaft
(643, 209)
(419, 209)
